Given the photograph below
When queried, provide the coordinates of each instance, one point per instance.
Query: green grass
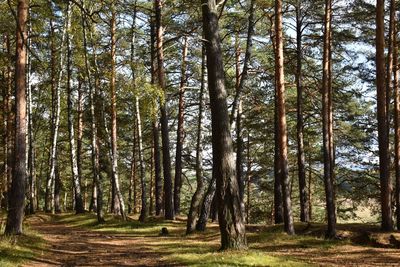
(16, 250)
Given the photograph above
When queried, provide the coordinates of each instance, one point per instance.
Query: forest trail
(74, 246)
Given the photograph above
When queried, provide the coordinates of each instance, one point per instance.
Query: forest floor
(77, 240)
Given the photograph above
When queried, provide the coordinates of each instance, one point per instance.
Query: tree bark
(17, 194)
(282, 138)
(196, 199)
(180, 131)
(168, 195)
(230, 216)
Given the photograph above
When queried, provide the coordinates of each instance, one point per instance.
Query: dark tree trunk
(206, 206)
(17, 193)
(282, 138)
(233, 234)
(168, 195)
(156, 139)
(196, 199)
(180, 131)
(328, 123)
(396, 113)
(300, 120)
(386, 207)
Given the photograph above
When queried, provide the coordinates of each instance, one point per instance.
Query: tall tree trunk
(282, 138)
(142, 172)
(386, 207)
(233, 234)
(180, 131)
(196, 199)
(327, 123)
(248, 179)
(396, 113)
(79, 143)
(278, 199)
(57, 190)
(119, 206)
(300, 120)
(97, 194)
(132, 205)
(156, 143)
(76, 179)
(31, 142)
(17, 194)
(168, 195)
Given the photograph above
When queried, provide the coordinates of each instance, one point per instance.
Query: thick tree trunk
(196, 199)
(180, 131)
(328, 123)
(300, 120)
(17, 194)
(168, 195)
(282, 138)
(97, 193)
(230, 217)
(119, 206)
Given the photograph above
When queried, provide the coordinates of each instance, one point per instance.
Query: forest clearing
(199, 133)
(78, 240)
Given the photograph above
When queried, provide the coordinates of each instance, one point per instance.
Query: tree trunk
(396, 113)
(196, 199)
(327, 123)
(156, 143)
(230, 217)
(180, 131)
(76, 179)
(282, 138)
(79, 143)
(97, 193)
(206, 206)
(168, 195)
(386, 207)
(132, 203)
(119, 206)
(17, 194)
(248, 179)
(300, 120)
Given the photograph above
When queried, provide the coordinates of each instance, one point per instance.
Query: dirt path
(70, 246)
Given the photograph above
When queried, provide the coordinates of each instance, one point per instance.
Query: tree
(327, 122)
(73, 153)
(118, 206)
(304, 214)
(168, 195)
(17, 194)
(384, 171)
(196, 198)
(230, 216)
(282, 138)
(180, 131)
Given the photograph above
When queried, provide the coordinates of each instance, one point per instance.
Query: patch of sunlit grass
(15, 250)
